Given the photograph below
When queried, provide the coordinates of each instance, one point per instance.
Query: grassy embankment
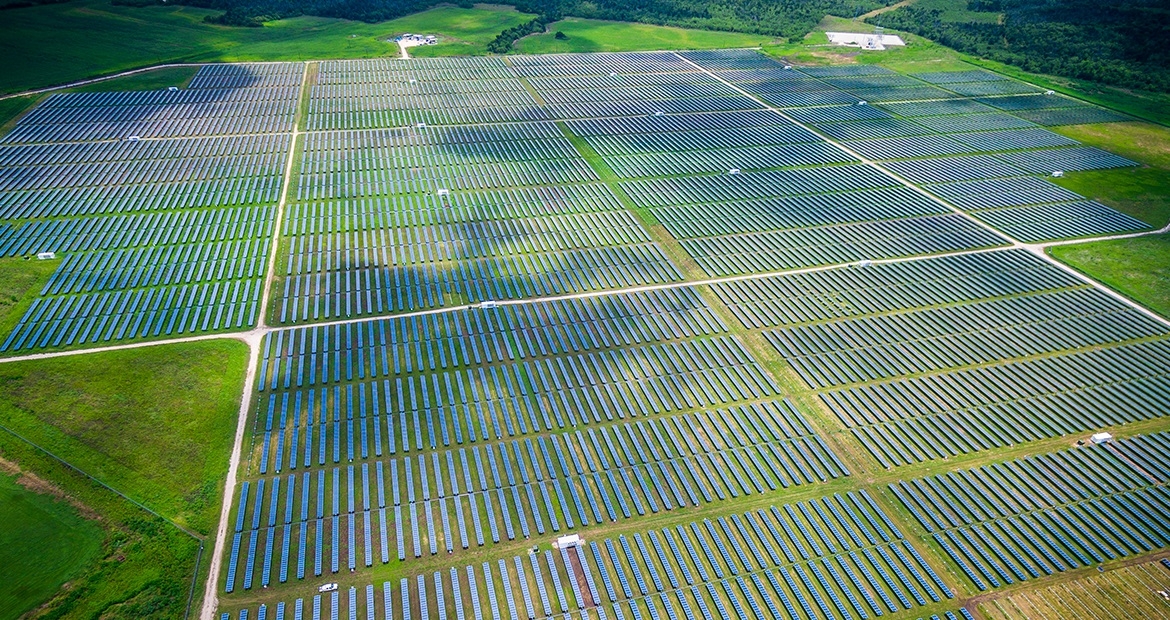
(154, 424)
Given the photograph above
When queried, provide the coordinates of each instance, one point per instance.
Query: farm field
(770, 339)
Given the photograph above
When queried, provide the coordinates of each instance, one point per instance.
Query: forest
(1122, 43)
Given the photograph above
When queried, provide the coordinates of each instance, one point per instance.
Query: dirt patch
(876, 12)
(36, 484)
(820, 57)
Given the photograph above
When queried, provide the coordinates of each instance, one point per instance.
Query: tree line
(1122, 43)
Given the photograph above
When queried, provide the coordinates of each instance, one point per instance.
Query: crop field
(703, 310)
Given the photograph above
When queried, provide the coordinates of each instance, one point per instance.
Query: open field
(43, 544)
(1138, 268)
(591, 35)
(1129, 592)
(155, 424)
(20, 281)
(145, 565)
(92, 37)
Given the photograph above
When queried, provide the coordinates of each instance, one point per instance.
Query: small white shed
(567, 542)
(1100, 438)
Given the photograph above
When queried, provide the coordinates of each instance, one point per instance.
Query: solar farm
(693, 335)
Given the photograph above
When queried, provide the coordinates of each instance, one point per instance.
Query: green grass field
(20, 282)
(1142, 192)
(11, 108)
(155, 423)
(591, 35)
(144, 567)
(1138, 268)
(461, 31)
(44, 542)
(59, 43)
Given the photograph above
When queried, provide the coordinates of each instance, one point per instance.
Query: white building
(567, 542)
(864, 40)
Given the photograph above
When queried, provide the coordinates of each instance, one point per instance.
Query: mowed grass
(1141, 192)
(155, 423)
(1129, 592)
(20, 282)
(1138, 268)
(460, 31)
(61, 43)
(12, 108)
(591, 35)
(44, 542)
(155, 79)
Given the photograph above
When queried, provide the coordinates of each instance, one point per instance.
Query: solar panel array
(393, 219)
(162, 202)
(784, 219)
(396, 445)
(1036, 516)
(947, 356)
(830, 555)
(912, 128)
